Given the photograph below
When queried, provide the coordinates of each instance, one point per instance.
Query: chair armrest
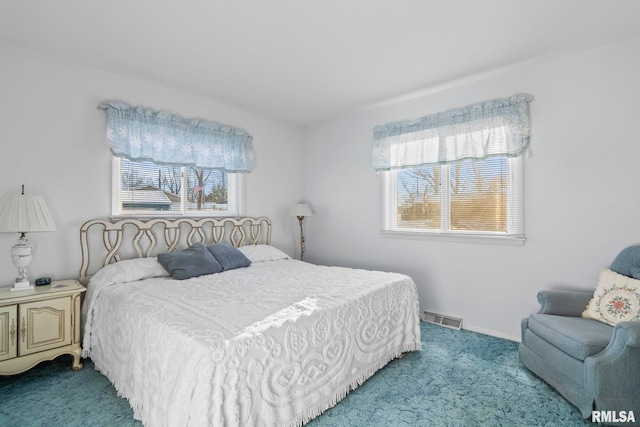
(614, 373)
(563, 303)
(627, 333)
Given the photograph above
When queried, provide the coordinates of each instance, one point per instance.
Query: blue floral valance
(138, 133)
(499, 127)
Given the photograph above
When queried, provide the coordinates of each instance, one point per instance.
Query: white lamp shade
(300, 209)
(23, 213)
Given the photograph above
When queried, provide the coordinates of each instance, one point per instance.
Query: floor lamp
(301, 210)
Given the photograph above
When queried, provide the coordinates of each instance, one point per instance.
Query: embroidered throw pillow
(616, 299)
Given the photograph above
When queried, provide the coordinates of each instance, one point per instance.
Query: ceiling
(302, 61)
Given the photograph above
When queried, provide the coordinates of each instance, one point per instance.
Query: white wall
(581, 185)
(52, 139)
(581, 191)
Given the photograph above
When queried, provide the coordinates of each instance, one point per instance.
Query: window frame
(235, 197)
(515, 225)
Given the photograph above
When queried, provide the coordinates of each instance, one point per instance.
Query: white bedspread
(274, 344)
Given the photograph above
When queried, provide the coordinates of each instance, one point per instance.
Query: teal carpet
(460, 378)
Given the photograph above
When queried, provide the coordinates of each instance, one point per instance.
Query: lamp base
(21, 257)
(22, 286)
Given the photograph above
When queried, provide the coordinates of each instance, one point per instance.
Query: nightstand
(39, 324)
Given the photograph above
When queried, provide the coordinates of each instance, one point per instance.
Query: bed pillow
(616, 299)
(261, 253)
(130, 270)
(191, 262)
(228, 256)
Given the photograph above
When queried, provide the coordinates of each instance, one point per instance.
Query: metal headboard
(132, 238)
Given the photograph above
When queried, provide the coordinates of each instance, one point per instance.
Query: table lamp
(23, 213)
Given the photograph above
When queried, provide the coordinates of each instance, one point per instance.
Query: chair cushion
(569, 366)
(576, 336)
(627, 262)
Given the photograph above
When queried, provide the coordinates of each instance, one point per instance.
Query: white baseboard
(490, 332)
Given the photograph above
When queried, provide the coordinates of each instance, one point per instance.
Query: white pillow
(616, 299)
(130, 270)
(118, 272)
(260, 253)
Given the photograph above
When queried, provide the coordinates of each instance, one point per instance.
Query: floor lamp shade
(300, 209)
(23, 213)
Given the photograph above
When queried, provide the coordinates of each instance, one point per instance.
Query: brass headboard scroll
(133, 238)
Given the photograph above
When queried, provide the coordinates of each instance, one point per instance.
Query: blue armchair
(595, 366)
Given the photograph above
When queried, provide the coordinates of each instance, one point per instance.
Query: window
(469, 198)
(166, 165)
(456, 174)
(147, 189)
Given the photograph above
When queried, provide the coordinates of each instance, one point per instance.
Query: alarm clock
(42, 281)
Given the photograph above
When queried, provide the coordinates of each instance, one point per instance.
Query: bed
(274, 343)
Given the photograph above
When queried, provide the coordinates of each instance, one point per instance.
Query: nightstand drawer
(47, 325)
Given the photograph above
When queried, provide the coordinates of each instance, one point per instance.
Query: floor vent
(439, 319)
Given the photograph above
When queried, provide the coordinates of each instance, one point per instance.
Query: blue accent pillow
(191, 262)
(228, 256)
(628, 262)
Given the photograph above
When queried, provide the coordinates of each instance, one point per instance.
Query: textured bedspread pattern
(273, 344)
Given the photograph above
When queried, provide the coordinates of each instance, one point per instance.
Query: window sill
(191, 214)
(456, 238)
